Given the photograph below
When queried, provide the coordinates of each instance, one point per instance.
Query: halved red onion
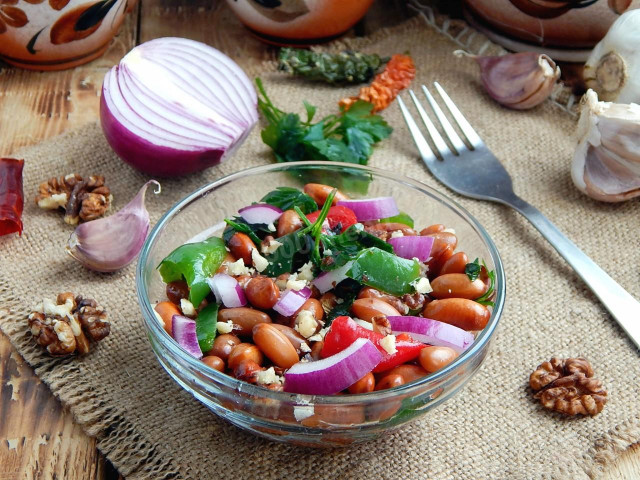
(372, 208)
(227, 290)
(335, 373)
(413, 246)
(328, 280)
(173, 106)
(432, 332)
(183, 330)
(260, 213)
(291, 301)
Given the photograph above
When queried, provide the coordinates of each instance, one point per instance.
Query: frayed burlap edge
(120, 441)
(611, 445)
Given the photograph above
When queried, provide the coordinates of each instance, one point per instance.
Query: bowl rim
(154, 328)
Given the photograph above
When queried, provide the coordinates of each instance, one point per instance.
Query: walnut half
(567, 386)
(82, 199)
(62, 327)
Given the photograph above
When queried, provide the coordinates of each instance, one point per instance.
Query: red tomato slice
(337, 215)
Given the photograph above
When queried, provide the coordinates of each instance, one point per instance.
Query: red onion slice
(291, 301)
(227, 290)
(175, 106)
(432, 332)
(335, 373)
(414, 246)
(328, 280)
(372, 208)
(260, 213)
(184, 332)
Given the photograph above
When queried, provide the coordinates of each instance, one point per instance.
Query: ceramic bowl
(58, 34)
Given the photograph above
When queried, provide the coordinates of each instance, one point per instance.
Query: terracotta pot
(566, 29)
(298, 22)
(58, 34)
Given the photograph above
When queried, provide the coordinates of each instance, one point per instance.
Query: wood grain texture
(38, 439)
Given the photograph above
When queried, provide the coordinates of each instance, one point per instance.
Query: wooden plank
(38, 438)
(39, 105)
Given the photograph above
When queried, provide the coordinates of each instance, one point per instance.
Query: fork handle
(621, 305)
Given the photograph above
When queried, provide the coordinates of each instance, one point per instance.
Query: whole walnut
(567, 386)
(65, 326)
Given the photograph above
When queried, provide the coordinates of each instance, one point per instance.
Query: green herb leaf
(286, 198)
(348, 137)
(473, 270)
(346, 246)
(484, 299)
(289, 256)
(347, 291)
(311, 110)
(239, 225)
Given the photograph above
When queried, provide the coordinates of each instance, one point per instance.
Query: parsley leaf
(239, 224)
(286, 198)
(484, 299)
(347, 245)
(348, 137)
(473, 270)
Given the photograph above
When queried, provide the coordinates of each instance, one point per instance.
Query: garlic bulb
(613, 68)
(110, 243)
(606, 165)
(517, 80)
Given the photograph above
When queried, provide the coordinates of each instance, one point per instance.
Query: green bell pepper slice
(206, 326)
(402, 217)
(385, 271)
(195, 262)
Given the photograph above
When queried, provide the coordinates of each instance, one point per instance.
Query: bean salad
(312, 292)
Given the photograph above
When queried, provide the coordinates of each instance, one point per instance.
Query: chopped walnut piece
(63, 327)
(381, 325)
(567, 386)
(82, 199)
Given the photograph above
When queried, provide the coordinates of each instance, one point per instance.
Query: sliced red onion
(328, 280)
(372, 208)
(335, 373)
(184, 332)
(175, 106)
(260, 213)
(227, 290)
(291, 301)
(432, 332)
(412, 246)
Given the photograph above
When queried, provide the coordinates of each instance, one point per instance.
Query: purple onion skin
(149, 158)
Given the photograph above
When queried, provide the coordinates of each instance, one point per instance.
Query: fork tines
(442, 149)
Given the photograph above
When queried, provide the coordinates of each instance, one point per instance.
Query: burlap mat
(150, 428)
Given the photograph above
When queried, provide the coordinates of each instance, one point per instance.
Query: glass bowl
(310, 420)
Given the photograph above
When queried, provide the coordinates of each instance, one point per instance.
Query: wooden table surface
(38, 438)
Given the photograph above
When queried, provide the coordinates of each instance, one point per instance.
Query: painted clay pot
(58, 34)
(566, 29)
(298, 22)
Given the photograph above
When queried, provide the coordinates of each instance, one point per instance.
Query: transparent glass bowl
(307, 419)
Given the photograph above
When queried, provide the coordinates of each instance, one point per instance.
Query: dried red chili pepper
(11, 195)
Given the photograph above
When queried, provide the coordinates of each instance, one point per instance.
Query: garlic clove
(111, 243)
(613, 68)
(606, 164)
(518, 80)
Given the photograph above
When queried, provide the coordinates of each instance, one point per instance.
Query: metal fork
(483, 177)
